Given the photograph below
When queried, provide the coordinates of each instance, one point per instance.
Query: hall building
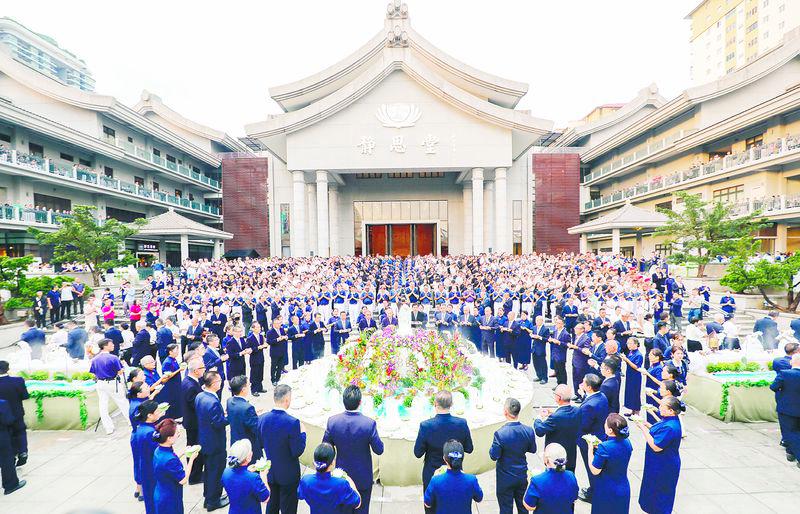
(734, 140)
(400, 149)
(62, 144)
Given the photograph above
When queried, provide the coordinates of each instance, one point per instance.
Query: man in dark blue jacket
(354, 435)
(164, 338)
(213, 440)
(560, 425)
(787, 395)
(242, 415)
(190, 388)
(558, 350)
(284, 439)
(785, 362)
(436, 431)
(10, 480)
(297, 336)
(539, 336)
(141, 343)
(14, 392)
(593, 413)
(769, 330)
(213, 360)
(341, 331)
(509, 447)
(113, 333)
(488, 327)
(276, 339)
(317, 332)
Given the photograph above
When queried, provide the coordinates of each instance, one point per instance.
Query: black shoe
(783, 443)
(22, 458)
(136, 494)
(140, 498)
(20, 485)
(585, 496)
(223, 502)
(790, 457)
(256, 394)
(543, 381)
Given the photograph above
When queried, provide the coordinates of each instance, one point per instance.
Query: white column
(615, 241)
(322, 214)
(298, 221)
(488, 217)
(216, 250)
(333, 218)
(501, 210)
(584, 244)
(311, 218)
(184, 247)
(477, 211)
(467, 215)
(638, 250)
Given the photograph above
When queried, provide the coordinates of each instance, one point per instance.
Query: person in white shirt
(695, 335)
(730, 331)
(66, 300)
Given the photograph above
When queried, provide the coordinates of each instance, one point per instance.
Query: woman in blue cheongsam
(609, 463)
(656, 366)
(170, 476)
(453, 491)
(662, 461)
(633, 379)
(171, 392)
(325, 493)
(144, 446)
(138, 392)
(246, 489)
(555, 490)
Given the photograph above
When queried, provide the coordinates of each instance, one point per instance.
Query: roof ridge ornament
(397, 37)
(397, 10)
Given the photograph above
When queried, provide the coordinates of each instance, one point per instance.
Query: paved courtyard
(727, 468)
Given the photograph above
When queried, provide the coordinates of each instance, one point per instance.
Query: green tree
(82, 239)
(12, 272)
(761, 275)
(701, 231)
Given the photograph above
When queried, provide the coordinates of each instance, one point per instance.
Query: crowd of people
(221, 325)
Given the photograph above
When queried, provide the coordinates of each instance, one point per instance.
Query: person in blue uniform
(214, 360)
(242, 415)
(138, 392)
(144, 447)
(503, 336)
(769, 330)
(561, 425)
(436, 431)
(171, 392)
(655, 370)
(190, 388)
(355, 437)
(662, 460)
(608, 462)
(522, 341)
(237, 349)
(276, 339)
(787, 395)
(633, 379)
(14, 391)
(580, 357)
(256, 342)
(284, 439)
(305, 325)
(488, 327)
(728, 304)
(317, 334)
(558, 350)
(164, 338)
(453, 491)
(570, 314)
(297, 336)
(247, 489)
(170, 476)
(510, 445)
(539, 337)
(10, 480)
(555, 490)
(611, 384)
(324, 492)
(593, 413)
(213, 439)
(342, 330)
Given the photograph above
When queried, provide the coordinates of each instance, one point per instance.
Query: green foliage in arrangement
(723, 406)
(38, 396)
(733, 367)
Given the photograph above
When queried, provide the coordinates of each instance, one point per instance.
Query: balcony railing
(637, 154)
(778, 148)
(142, 153)
(83, 174)
(767, 205)
(30, 216)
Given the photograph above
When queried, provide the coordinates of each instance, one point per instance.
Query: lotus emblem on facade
(398, 115)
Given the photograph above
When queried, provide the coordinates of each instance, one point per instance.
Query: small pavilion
(625, 221)
(170, 226)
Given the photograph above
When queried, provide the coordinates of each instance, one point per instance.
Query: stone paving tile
(705, 482)
(738, 503)
(782, 502)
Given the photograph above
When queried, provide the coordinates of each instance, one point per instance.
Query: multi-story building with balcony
(42, 53)
(62, 146)
(735, 140)
(728, 34)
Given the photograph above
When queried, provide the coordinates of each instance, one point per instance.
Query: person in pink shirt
(136, 312)
(108, 310)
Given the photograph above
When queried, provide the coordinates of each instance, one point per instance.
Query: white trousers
(115, 391)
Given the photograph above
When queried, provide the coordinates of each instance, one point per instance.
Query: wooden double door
(402, 239)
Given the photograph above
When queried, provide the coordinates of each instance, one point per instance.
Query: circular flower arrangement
(386, 365)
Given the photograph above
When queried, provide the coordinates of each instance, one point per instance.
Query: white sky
(213, 61)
